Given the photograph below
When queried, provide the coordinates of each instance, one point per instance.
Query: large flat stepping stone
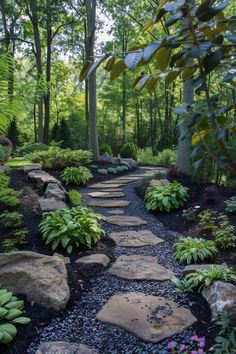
(97, 258)
(109, 203)
(116, 212)
(50, 204)
(106, 194)
(112, 190)
(128, 178)
(124, 220)
(135, 238)
(150, 318)
(64, 348)
(138, 267)
(115, 181)
(105, 186)
(42, 178)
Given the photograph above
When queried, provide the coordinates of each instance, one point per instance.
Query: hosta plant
(112, 170)
(192, 250)
(166, 198)
(11, 311)
(75, 197)
(202, 278)
(102, 171)
(9, 197)
(231, 205)
(77, 175)
(71, 228)
(11, 220)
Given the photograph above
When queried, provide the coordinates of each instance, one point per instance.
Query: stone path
(132, 306)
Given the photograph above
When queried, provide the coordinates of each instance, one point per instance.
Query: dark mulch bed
(78, 276)
(175, 220)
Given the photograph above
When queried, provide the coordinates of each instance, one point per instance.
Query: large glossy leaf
(211, 61)
(162, 58)
(171, 76)
(205, 12)
(133, 59)
(95, 65)
(201, 49)
(174, 6)
(151, 83)
(117, 69)
(188, 72)
(136, 81)
(143, 81)
(173, 19)
(151, 49)
(109, 64)
(84, 71)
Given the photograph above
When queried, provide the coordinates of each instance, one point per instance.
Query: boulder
(155, 183)
(5, 169)
(50, 204)
(130, 163)
(55, 190)
(64, 348)
(42, 178)
(221, 296)
(97, 258)
(32, 167)
(107, 158)
(43, 279)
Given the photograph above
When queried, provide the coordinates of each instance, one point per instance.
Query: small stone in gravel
(96, 258)
(116, 212)
(151, 318)
(109, 203)
(64, 348)
(138, 267)
(135, 238)
(106, 194)
(125, 220)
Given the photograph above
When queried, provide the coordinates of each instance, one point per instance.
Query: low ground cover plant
(4, 180)
(102, 171)
(77, 175)
(18, 238)
(166, 198)
(75, 197)
(71, 228)
(55, 157)
(193, 250)
(231, 205)
(225, 341)
(11, 311)
(202, 278)
(196, 346)
(11, 220)
(9, 197)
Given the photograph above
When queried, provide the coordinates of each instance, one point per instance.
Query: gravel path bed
(79, 324)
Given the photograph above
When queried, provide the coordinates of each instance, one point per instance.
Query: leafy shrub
(225, 341)
(4, 180)
(78, 175)
(167, 158)
(145, 156)
(207, 219)
(11, 220)
(11, 310)
(102, 171)
(231, 205)
(112, 170)
(55, 157)
(9, 245)
(129, 150)
(105, 148)
(192, 250)
(9, 197)
(69, 228)
(30, 148)
(75, 197)
(166, 198)
(202, 278)
(210, 193)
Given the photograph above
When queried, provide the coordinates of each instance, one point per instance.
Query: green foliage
(231, 205)
(77, 175)
(122, 169)
(60, 158)
(71, 228)
(102, 171)
(106, 148)
(9, 197)
(19, 239)
(112, 170)
(63, 134)
(30, 148)
(166, 198)
(9, 245)
(4, 180)
(129, 150)
(225, 341)
(207, 219)
(75, 197)
(167, 158)
(13, 133)
(193, 250)
(11, 220)
(202, 278)
(11, 311)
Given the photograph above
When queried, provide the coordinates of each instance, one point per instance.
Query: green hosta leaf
(15, 304)
(13, 313)
(3, 312)
(69, 249)
(22, 320)
(4, 298)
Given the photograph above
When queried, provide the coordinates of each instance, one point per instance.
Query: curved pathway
(91, 320)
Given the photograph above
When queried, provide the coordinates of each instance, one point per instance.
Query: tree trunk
(124, 101)
(92, 94)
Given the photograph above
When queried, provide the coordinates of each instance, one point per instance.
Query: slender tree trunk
(92, 94)
(138, 123)
(151, 122)
(124, 100)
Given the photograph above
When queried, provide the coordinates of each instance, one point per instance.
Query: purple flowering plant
(197, 346)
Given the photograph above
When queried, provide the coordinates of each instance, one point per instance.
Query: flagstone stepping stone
(97, 258)
(59, 347)
(101, 185)
(139, 267)
(109, 203)
(125, 220)
(115, 181)
(150, 318)
(50, 204)
(135, 238)
(116, 212)
(106, 194)
(128, 178)
(112, 190)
